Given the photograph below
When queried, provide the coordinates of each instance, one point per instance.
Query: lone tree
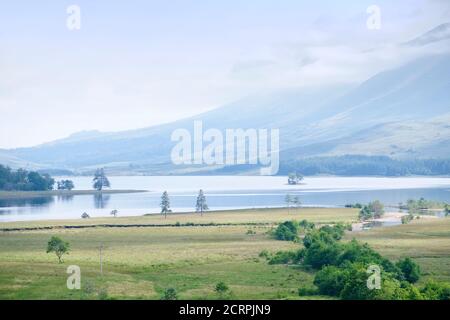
(114, 213)
(288, 200)
(201, 205)
(165, 204)
(100, 180)
(85, 216)
(170, 294)
(221, 288)
(58, 246)
(294, 178)
(296, 201)
(374, 210)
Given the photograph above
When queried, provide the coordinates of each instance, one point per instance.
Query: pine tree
(165, 204)
(100, 180)
(296, 201)
(288, 200)
(201, 205)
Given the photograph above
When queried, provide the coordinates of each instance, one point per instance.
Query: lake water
(222, 192)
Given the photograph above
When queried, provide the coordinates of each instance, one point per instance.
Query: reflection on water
(65, 198)
(101, 200)
(312, 193)
(24, 202)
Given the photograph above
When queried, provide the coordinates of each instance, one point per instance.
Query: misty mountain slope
(400, 140)
(152, 146)
(416, 91)
(397, 113)
(439, 33)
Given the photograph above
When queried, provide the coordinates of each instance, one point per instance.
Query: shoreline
(6, 195)
(187, 217)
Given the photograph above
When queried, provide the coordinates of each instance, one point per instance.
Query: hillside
(401, 113)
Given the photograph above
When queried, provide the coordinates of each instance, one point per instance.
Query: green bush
(409, 269)
(373, 210)
(170, 294)
(436, 291)
(321, 254)
(307, 291)
(330, 280)
(286, 257)
(407, 219)
(305, 224)
(287, 231)
(221, 288)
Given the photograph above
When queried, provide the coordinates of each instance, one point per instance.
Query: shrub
(330, 280)
(264, 254)
(305, 224)
(354, 251)
(307, 291)
(287, 231)
(374, 209)
(436, 291)
(170, 294)
(316, 236)
(221, 288)
(321, 254)
(409, 269)
(337, 231)
(286, 257)
(407, 219)
(355, 283)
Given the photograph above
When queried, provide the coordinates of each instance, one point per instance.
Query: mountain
(400, 113)
(439, 33)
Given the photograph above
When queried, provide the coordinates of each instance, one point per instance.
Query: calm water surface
(223, 192)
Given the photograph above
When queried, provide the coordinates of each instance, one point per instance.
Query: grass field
(141, 262)
(427, 241)
(250, 216)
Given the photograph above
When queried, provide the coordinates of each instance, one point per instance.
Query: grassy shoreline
(36, 194)
(222, 217)
(140, 263)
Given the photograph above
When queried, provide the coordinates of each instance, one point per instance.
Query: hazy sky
(138, 63)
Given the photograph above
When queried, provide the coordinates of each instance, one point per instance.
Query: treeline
(354, 165)
(23, 180)
(351, 270)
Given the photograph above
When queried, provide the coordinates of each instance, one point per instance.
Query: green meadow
(143, 256)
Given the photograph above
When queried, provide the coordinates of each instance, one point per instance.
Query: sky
(135, 64)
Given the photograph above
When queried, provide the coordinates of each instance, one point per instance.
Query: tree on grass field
(288, 201)
(114, 213)
(296, 201)
(100, 180)
(201, 205)
(221, 288)
(58, 246)
(170, 294)
(165, 204)
(286, 231)
(374, 210)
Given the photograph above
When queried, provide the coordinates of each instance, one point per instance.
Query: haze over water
(222, 192)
